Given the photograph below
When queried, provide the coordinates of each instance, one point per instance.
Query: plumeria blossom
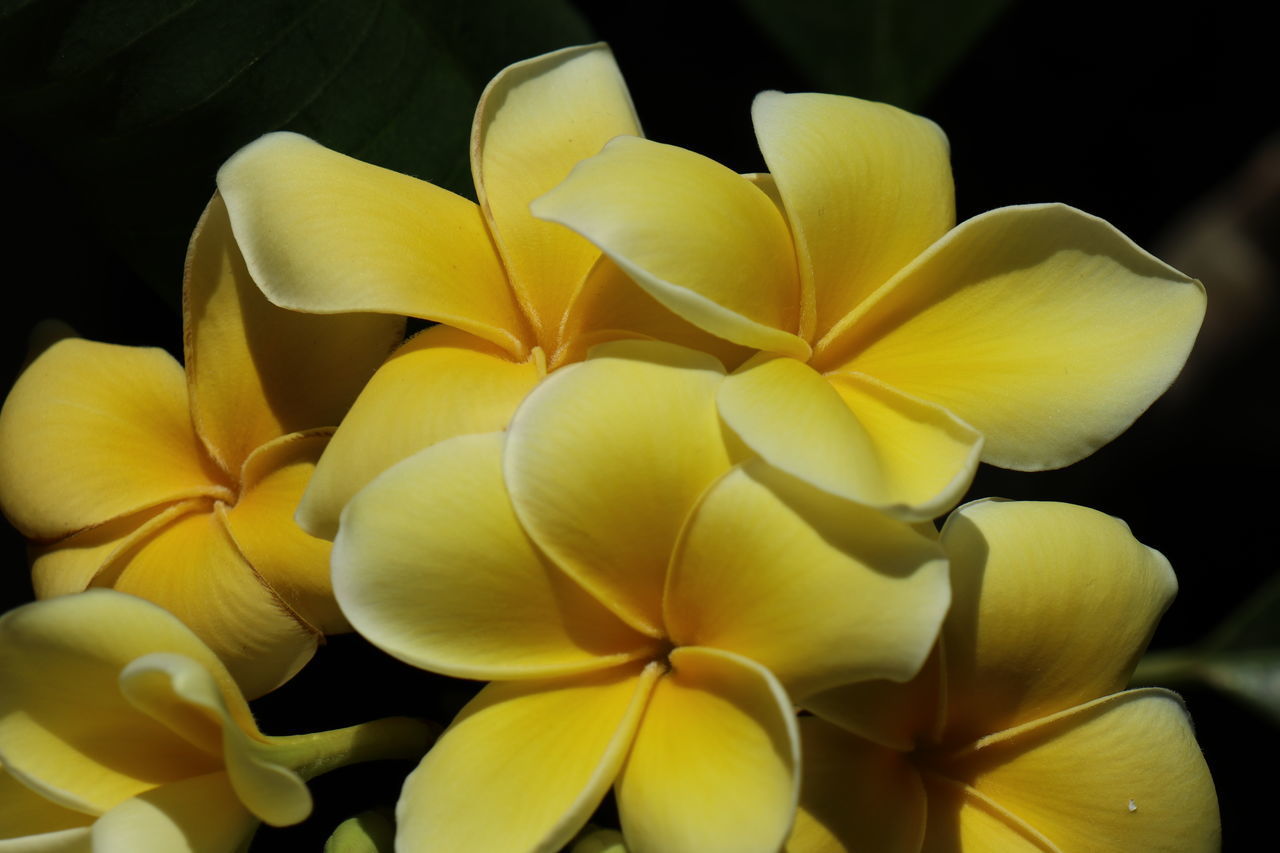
(121, 731)
(1018, 734)
(180, 486)
(515, 297)
(895, 341)
(643, 606)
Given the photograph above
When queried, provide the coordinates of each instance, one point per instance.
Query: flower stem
(311, 755)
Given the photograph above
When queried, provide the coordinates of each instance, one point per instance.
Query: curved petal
(193, 569)
(699, 238)
(258, 372)
(200, 815)
(867, 187)
(23, 812)
(179, 693)
(855, 796)
(524, 764)
(292, 563)
(1052, 605)
(76, 840)
(818, 591)
(439, 384)
(1119, 774)
(961, 820)
(327, 234)
(94, 431)
(605, 460)
(444, 577)
(1045, 328)
(862, 441)
(535, 120)
(66, 730)
(70, 564)
(715, 764)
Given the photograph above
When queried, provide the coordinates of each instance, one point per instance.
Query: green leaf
(139, 101)
(885, 50)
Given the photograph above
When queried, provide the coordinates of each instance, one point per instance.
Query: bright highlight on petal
(197, 815)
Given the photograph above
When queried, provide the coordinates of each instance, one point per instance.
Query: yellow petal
(444, 577)
(291, 562)
(855, 796)
(439, 384)
(861, 441)
(70, 564)
(610, 306)
(715, 764)
(94, 431)
(23, 812)
(606, 458)
(961, 820)
(1043, 327)
(327, 234)
(819, 591)
(193, 569)
(65, 728)
(535, 120)
(77, 840)
(1117, 775)
(699, 238)
(524, 764)
(1053, 604)
(200, 815)
(866, 186)
(257, 371)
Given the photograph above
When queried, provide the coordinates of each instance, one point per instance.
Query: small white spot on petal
(1133, 807)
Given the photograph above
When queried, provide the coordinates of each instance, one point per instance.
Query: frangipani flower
(121, 732)
(325, 233)
(643, 606)
(897, 343)
(1014, 737)
(181, 487)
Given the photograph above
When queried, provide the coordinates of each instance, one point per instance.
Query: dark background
(1163, 123)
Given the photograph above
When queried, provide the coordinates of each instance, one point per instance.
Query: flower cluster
(663, 474)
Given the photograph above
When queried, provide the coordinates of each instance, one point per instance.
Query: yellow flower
(1014, 737)
(121, 731)
(181, 487)
(894, 341)
(325, 233)
(643, 606)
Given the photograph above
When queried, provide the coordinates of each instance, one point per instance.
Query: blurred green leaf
(139, 101)
(1241, 657)
(885, 50)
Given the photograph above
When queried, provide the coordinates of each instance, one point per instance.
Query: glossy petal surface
(867, 187)
(1043, 327)
(524, 764)
(440, 384)
(714, 767)
(536, 119)
(1052, 606)
(605, 460)
(817, 590)
(698, 237)
(94, 431)
(445, 578)
(257, 371)
(327, 234)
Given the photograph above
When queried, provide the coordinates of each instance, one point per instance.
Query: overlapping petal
(1052, 606)
(702, 240)
(431, 565)
(961, 819)
(325, 234)
(605, 461)
(94, 431)
(70, 565)
(25, 813)
(196, 815)
(256, 371)
(866, 186)
(1119, 774)
(1043, 327)
(535, 120)
(819, 591)
(524, 763)
(441, 383)
(715, 764)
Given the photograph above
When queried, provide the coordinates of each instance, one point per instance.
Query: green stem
(1175, 668)
(311, 755)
